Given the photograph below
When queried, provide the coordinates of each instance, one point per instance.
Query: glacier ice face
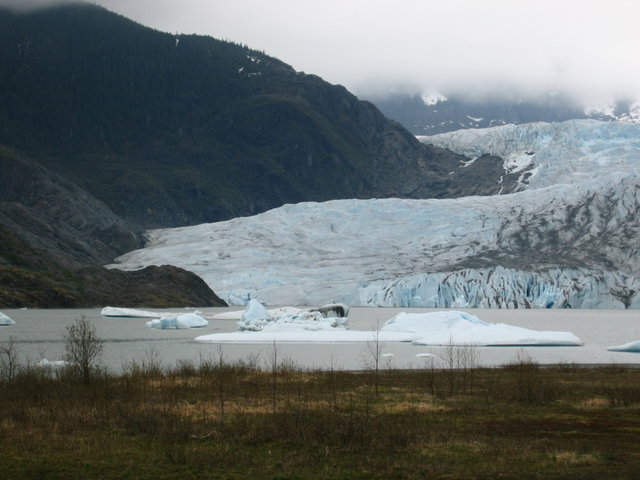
(568, 239)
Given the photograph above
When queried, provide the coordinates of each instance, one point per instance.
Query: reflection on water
(39, 333)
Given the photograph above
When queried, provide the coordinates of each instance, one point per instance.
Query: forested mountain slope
(180, 129)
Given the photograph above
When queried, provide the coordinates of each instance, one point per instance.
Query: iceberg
(434, 328)
(132, 313)
(237, 314)
(459, 328)
(627, 347)
(257, 318)
(5, 321)
(186, 320)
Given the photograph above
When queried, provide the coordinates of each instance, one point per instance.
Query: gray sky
(587, 47)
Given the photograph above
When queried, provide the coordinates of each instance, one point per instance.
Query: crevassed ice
(569, 240)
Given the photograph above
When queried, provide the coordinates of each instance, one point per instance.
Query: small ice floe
(5, 321)
(52, 363)
(426, 355)
(387, 355)
(132, 313)
(175, 322)
(633, 347)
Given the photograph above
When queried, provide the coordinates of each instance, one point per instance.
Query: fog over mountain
(582, 48)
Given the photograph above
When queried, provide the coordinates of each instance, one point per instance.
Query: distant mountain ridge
(434, 113)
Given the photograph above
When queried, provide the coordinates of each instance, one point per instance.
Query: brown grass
(235, 421)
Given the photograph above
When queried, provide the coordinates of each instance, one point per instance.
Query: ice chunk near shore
(460, 328)
(627, 347)
(186, 320)
(5, 321)
(256, 318)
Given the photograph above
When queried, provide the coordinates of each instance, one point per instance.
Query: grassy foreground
(235, 421)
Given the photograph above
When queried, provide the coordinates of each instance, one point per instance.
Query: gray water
(39, 335)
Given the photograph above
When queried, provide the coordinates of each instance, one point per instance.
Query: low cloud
(586, 48)
(27, 5)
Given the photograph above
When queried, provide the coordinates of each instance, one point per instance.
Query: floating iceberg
(627, 347)
(257, 318)
(133, 313)
(437, 328)
(459, 328)
(186, 320)
(5, 321)
(237, 314)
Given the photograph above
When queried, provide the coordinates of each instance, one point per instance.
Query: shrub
(83, 348)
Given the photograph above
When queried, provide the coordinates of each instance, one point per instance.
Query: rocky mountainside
(433, 114)
(56, 216)
(51, 231)
(172, 130)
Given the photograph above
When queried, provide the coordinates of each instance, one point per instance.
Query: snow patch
(432, 98)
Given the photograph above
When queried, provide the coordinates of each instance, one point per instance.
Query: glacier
(568, 238)
(551, 153)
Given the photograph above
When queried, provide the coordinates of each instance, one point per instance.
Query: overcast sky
(588, 47)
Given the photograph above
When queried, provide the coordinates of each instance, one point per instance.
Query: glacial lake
(39, 335)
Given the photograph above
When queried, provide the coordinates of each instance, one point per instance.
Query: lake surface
(39, 335)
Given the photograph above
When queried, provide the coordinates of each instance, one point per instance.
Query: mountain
(434, 113)
(108, 127)
(52, 231)
(568, 238)
(171, 130)
(56, 216)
